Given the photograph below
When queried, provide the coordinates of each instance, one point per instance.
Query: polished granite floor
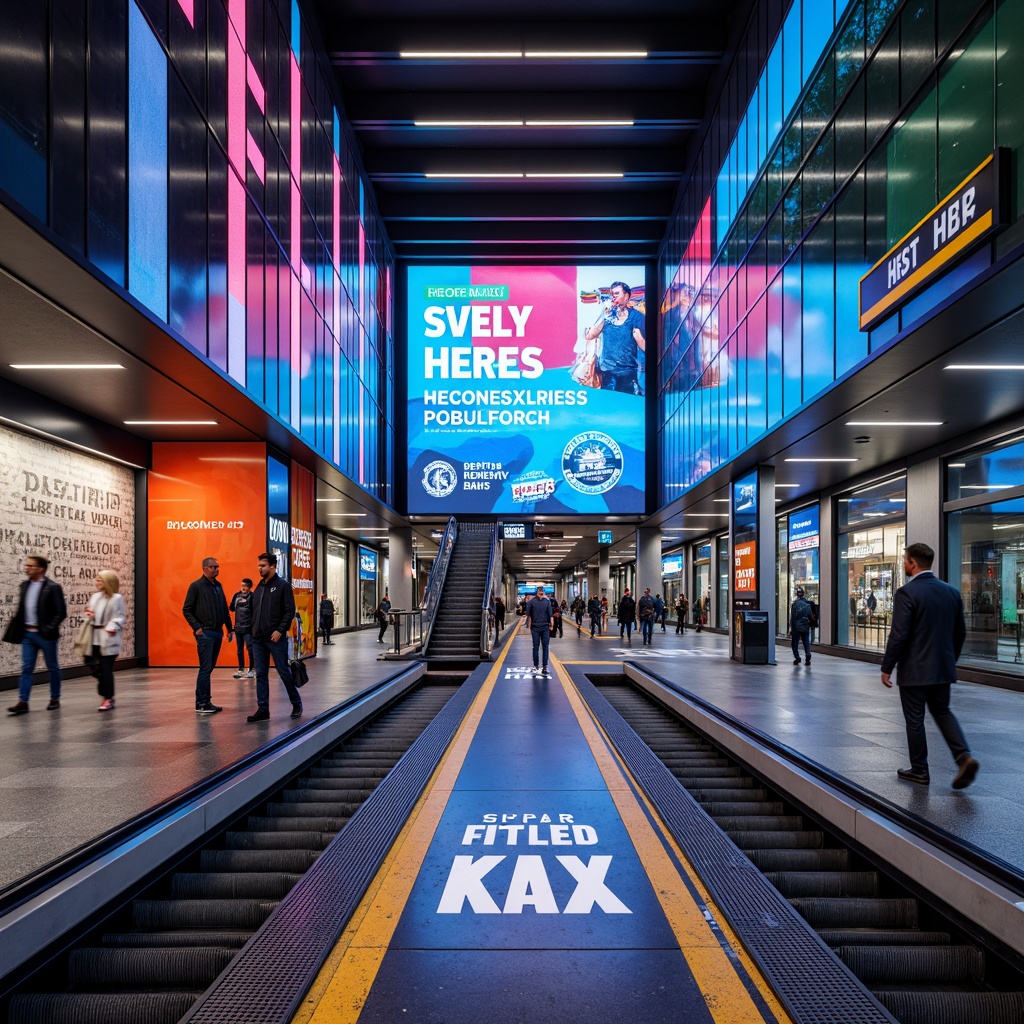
(67, 776)
(837, 712)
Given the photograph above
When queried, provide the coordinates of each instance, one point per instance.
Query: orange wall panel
(205, 499)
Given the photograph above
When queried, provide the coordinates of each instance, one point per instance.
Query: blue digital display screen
(526, 389)
(804, 528)
(367, 564)
(604, 536)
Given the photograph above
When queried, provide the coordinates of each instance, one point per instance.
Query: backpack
(814, 614)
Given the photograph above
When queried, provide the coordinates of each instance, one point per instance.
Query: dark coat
(627, 609)
(326, 613)
(273, 608)
(800, 615)
(927, 633)
(50, 612)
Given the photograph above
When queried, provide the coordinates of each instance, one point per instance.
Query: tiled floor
(67, 776)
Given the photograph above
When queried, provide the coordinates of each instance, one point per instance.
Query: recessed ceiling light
(339, 515)
(467, 124)
(587, 54)
(66, 366)
(706, 515)
(777, 486)
(895, 423)
(985, 487)
(822, 460)
(570, 123)
(577, 175)
(460, 54)
(474, 174)
(958, 465)
(720, 501)
(170, 423)
(984, 366)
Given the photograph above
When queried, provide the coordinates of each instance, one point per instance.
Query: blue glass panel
(147, 165)
(819, 20)
(792, 336)
(792, 72)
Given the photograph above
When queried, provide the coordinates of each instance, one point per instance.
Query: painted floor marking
(726, 997)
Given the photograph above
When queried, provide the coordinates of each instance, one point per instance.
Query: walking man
(682, 610)
(800, 626)
(627, 616)
(272, 613)
(241, 608)
(659, 611)
(595, 612)
(206, 611)
(538, 615)
(382, 616)
(924, 644)
(36, 626)
(499, 616)
(647, 609)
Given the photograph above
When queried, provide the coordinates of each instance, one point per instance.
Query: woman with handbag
(107, 612)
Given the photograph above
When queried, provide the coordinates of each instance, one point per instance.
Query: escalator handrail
(988, 864)
(491, 588)
(435, 581)
(36, 882)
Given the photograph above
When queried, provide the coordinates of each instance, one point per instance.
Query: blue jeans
(263, 651)
(801, 636)
(208, 645)
(541, 637)
(628, 627)
(243, 643)
(646, 629)
(31, 645)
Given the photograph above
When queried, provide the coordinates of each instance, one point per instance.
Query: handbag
(84, 641)
(299, 674)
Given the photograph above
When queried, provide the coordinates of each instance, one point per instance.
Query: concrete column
(400, 566)
(648, 561)
(604, 581)
(767, 582)
(828, 583)
(924, 511)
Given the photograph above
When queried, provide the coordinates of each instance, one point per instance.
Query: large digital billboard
(526, 389)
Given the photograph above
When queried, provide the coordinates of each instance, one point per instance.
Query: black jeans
(541, 638)
(264, 650)
(804, 636)
(208, 645)
(595, 625)
(243, 643)
(936, 699)
(105, 679)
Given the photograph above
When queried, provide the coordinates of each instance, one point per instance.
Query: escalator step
(313, 808)
(768, 822)
(185, 937)
(900, 965)
(134, 969)
(143, 1008)
(832, 859)
(157, 915)
(767, 840)
(323, 795)
(289, 821)
(736, 808)
(916, 1007)
(295, 861)
(882, 937)
(277, 840)
(828, 884)
(260, 885)
(857, 913)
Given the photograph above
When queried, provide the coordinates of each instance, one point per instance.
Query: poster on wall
(205, 500)
(76, 511)
(303, 505)
(526, 389)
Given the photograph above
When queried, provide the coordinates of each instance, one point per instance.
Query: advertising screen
(526, 389)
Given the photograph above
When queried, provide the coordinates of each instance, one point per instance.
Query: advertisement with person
(526, 389)
(303, 526)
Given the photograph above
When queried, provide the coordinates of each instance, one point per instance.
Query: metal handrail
(435, 581)
(491, 590)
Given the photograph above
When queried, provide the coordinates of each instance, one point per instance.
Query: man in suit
(925, 641)
(36, 626)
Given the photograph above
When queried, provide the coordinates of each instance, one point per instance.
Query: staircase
(456, 632)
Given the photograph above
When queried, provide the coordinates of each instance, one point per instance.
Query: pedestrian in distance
(108, 612)
(273, 610)
(325, 618)
(578, 608)
(36, 626)
(539, 614)
(595, 613)
(659, 611)
(647, 610)
(604, 614)
(800, 626)
(627, 616)
(556, 620)
(241, 607)
(383, 609)
(206, 611)
(499, 616)
(682, 610)
(925, 641)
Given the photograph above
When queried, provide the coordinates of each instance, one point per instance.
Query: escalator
(917, 962)
(150, 960)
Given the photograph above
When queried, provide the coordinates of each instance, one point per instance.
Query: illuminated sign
(703, 553)
(517, 531)
(526, 389)
(803, 528)
(745, 568)
(671, 565)
(367, 564)
(604, 536)
(968, 215)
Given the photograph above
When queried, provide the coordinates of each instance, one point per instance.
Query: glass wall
(797, 562)
(701, 577)
(872, 536)
(193, 155)
(724, 564)
(848, 138)
(988, 542)
(336, 578)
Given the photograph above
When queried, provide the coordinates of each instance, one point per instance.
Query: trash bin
(752, 637)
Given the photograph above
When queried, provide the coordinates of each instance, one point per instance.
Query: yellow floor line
(343, 983)
(727, 999)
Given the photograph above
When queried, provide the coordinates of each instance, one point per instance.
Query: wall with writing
(75, 510)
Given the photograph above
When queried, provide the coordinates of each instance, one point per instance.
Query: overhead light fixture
(706, 515)
(958, 465)
(339, 515)
(1008, 526)
(66, 366)
(985, 487)
(565, 123)
(777, 486)
(474, 174)
(170, 423)
(720, 501)
(887, 482)
(467, 124)
(586, 54)
(822, 460)
(573, 123)
(895, 423)
(576, 175)
(984, 366)
(460, 54)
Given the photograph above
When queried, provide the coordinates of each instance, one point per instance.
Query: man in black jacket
(627, 616)
(925, 640)
(206, 611)
(241, 608)
(272, 614)
(36, 626)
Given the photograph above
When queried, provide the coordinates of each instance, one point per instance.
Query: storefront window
(336, 575)
(367, 585)
(701, 578)
(722, 611)
(873, 534)
(672, 582)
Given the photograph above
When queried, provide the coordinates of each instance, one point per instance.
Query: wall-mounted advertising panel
(671, 565)
(604, 537)
(303, 526)
(803, 529)
(526, 389)
(517, 531)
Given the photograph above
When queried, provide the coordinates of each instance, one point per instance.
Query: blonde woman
(107, 611)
